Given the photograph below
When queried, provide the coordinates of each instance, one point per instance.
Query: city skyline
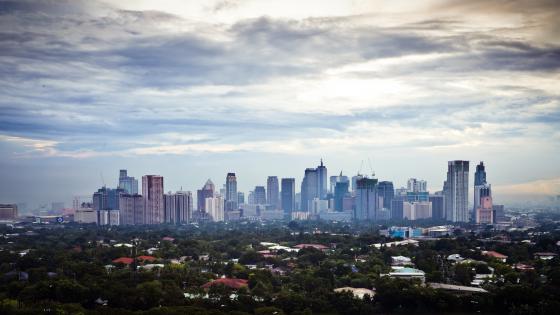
(194, 90)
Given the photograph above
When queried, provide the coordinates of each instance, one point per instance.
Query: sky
(192, 90)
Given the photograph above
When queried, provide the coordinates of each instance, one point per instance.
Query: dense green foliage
(67, 271)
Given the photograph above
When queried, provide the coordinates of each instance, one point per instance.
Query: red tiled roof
(494, 254)
(146, 258)
(124, 260)
(167, 238)
(228, 282)
(316, 246)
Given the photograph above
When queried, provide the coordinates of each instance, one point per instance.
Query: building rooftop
(124, 260)
(232, 283)
(460, 288)
(494, 254)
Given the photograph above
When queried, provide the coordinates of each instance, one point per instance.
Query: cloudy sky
(194, 89)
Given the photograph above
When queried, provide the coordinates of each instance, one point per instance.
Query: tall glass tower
(231, 192)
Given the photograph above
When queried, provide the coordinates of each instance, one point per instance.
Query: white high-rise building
(273, 192)
(456, 189)
(417, 210)
(178, 207)
(416, 185)
(215, 208)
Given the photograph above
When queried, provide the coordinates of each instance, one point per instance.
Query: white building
(85, 215)
(109, 217)
(417, 210)
(215, 208)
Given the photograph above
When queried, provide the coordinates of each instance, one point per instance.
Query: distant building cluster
(336, 198)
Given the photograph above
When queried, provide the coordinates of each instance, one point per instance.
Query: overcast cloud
(193, 90)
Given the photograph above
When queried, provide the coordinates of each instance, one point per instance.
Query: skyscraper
(178, 207)
(322, 181)
(309, 188)
(438, 205)
(354, 182)
(456, 191)
(340, 191)
(131, 209)
(215, 208)
(479, 184)
(260, 195)
(288, 196)
(366, 199)
(416, 185)
(484, 213)
(207, 191)
(273, 192)
(386, 191)
(152, 191)
(240, 198)
(129, 184)
(231, 192)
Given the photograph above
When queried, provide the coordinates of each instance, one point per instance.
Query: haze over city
(194, 90)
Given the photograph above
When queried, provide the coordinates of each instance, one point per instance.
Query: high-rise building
(322, 181)
(417, 210)
(231, 192)
(240, 198)
(131, 209)
(479, 185)
(260, 195)
(178, 207)
(309, 188)
(332, 183)
(273, 192)
(8, 211)
(438, 205)
(397, 211)
(107, 198)
(288, 196)
(416, 185)
(129, 184)
(340, 191)
(498, 213)
(207, 191)
(484, 212)
(215, 208)
(456, 189)
(152, 191)
(108, 217)
(354, 183)
(335, 179)
(386, 191)
(366, 199)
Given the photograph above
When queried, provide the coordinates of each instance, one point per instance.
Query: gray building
(259, 195)
(438, 206)
(273, 192)
(288, 196)
(178, 207)
(131, 209)
(231, 193)
(386, 190)
(366, 199)
(128, 183)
